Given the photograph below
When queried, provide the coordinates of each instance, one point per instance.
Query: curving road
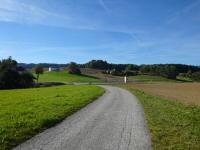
(113, 122)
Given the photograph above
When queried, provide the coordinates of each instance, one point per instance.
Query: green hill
(64, 76)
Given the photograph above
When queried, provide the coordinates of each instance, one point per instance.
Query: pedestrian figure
(125, 79)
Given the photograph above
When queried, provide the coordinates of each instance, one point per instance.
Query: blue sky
(119, 31)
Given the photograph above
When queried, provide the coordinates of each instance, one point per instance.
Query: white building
(54, 69)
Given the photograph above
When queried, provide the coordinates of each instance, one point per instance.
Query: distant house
(56, 69)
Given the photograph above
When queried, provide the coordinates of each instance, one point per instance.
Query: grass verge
(24, 113)
(148, 78)
(173, 125)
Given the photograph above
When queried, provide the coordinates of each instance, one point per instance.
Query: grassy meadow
(64, 76)
(173, 124)
(25, 112)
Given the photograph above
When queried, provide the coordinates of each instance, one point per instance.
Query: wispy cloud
(26, 13)
(15, 11)
(183, 11)
(104, 6)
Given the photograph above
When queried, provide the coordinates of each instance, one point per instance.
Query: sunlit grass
(148, 78)
(64, 76)
(23, 113)
(173, 125)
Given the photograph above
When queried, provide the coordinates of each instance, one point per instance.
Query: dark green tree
(98, 64)
(9, 79)
(196, 76)
(26, 80)
(12, 76)
(39, 70)
(73, 68)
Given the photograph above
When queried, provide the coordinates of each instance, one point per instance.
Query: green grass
(148, 78)
(173, 125)
(25, 112)
(64, 76)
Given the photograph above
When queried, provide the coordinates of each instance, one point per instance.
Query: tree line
(166, 70)
(15, 76)
(170, 71)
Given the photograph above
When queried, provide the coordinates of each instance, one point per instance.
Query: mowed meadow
(64, 76)
(25, 112)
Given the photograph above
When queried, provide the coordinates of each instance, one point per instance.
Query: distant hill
(166, 70)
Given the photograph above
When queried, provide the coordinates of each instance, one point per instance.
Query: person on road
(125, 79)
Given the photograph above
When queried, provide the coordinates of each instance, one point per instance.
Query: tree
(8, 64)
(13, 76)
(171, 72)
(189, 74)
(26, 80)
(196, 76)
(9, 79)
(129, 67)
(97, 64)
(73, 68)
(39, 70)
(130, 70)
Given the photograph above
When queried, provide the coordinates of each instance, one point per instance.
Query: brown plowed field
(188, 93)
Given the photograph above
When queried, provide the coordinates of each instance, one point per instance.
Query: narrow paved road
(113, 122)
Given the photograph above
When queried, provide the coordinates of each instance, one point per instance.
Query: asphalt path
(113, 122)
